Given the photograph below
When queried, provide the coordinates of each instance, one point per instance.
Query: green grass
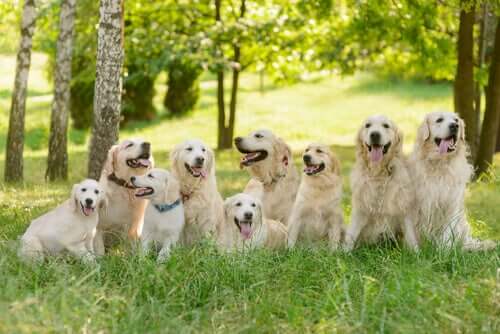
(374, 289)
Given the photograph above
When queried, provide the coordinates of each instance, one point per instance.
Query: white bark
(108, 84)
(15, 136)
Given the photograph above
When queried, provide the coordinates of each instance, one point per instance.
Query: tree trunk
(481, 56)
(489, 132)
(15, 136)
(221, 109)
(57, 161)
(108, 84)
(464, 79)
(498, 138)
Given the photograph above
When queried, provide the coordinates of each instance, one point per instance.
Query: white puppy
(193, 164)
(164, 217)
(244, 226)
(317, 214)
(275, 179)
(441, 172)
(69, 227)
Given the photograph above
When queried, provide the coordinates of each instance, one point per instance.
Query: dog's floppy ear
(228, 203)
(462, 129)
(173, 189)
(283, 155)
(360, 146)
(398, 139)
(334, 162)
(259, 210)
(110, 164)
(210, 161)
(73, 200)
(174, 158)
(424, 131)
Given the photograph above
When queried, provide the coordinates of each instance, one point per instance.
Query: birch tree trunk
(464, 79)
(57, 161)
(489, 131)
(108, 84)
(15, 136)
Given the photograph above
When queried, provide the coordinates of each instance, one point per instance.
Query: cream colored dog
(164, 218)
(193, 164)
(125, 213)
(68, 228)
(382, 189)
(317, 214)
(245, 228)
(441, 172)
(274, 177)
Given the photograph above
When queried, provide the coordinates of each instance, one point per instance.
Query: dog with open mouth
(317, 213)
(244, 227)
(125, 213)
(193, 165)
(441, 172)
(275, 179)
(70, 227)
(382, 189)
(164, 217)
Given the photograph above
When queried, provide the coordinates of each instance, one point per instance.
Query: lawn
(374, 289)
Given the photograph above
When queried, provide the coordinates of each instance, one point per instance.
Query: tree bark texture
(464, 79)
(15, 136)
(108, 84)
(57, 161)
(489, 132)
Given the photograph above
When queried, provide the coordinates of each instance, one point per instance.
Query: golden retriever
(441, 172)
(193, 165)
(124, 213)
(275, 179)
(382, 189)
(317, 214)
(244, 226)
(70, 227)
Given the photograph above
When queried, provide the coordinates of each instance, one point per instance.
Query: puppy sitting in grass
(317, 214)
(70, 227)
(244, 226)
(164, 216)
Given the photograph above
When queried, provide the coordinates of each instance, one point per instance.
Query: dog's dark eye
(129, 145)
(189, 149)
(456, 120)
(238, 204)
(254, 205)
(84, 189)
(307, 150)
(96, 192)
(258, 135)
(386, 125)
(439, 120)
(319, 151)
(203, 149)
(151, 176)
(367, 125)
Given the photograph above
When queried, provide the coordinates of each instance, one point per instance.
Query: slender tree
(464, 79)
(15, 136)
(498, 138)
(489, 132)
(108, 84)
(57, 161)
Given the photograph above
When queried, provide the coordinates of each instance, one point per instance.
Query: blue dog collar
(167, 207)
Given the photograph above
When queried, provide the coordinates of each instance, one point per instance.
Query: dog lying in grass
(164, 217)
(70, 227)
(317, 214)
(245, 227)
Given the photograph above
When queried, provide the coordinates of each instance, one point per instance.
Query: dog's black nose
(200, 160)
(248, 215)
(307, 158)
(132, 178)
(375, 137)
(238, 140)
(453, 127)
(89, 201)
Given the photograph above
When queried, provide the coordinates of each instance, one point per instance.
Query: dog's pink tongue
(87, 211)
(145, 162)
(203, 173)
(246, 230)
(376, 154)
(444, 145)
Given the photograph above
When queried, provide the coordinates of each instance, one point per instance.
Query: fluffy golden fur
(193, 165)
(124, 213)
(382, 191)
(441, 172)
(317, 214)
(275, 179)
(244, 227)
